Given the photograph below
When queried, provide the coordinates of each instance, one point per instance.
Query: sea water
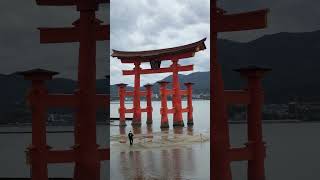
(292, 150)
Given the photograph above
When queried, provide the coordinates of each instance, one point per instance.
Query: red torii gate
(221, 152)
(155, 57)
(85, 153)
(164, 92)
(123, 110)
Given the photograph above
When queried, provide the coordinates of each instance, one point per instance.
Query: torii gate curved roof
(179, 52)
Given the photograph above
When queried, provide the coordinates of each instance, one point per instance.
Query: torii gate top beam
(179, 52)
(241, 21)
(82, 5)
(64, 2)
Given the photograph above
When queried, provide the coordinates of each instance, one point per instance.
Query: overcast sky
(19, 39)
(136, 25)
(145, 25)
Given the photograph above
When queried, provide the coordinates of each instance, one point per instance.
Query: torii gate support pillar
(122, 108)
(38, 150)
(189, 103)
(149, 103)
(176, 96)
(136, 121)
(164, 104)
(255, 138)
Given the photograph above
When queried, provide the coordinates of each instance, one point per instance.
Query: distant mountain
(201, 80)
(14, 90)
(294, 58)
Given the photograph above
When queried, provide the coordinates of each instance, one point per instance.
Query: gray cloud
(19, 39)
(145, 25)
(284, 16)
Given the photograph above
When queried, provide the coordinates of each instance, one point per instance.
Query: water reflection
(190, 131)
(178, 130)
(136, 130)
(175, 163)
(149, 164)
(149, 130)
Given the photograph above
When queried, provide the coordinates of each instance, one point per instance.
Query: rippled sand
(157, 140)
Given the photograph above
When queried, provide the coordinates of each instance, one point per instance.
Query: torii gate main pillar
(86, 30)
(176, 96)
(136, 121)
(221, 153)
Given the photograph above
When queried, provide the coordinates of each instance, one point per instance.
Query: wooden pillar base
(178, 124)
(122, 123)
(135, 123)
(149, 121)
(164, 125)
(190, 122)
(136, 130)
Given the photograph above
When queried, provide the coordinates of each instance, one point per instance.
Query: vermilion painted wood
(104, 154)
(122, 108)
(169, 92)
(179, 52)
(236, 97)
(38, 150)
(185, 110)
(189, 103)
(174, 55)
(176, 96)
(63, 2)
(163, 58)
(149, 109)
(160, 70)
(61, 100)
(71, 34)
(131, 93)
(87, 167)
(170, 111)
(164, 104)
(61, 156)
(184, 92)
(242, 21)
(221, 153)
(240, 154)
(131, 110)
(254, 77)
(102, 100)
(85, 153)
(136, 121)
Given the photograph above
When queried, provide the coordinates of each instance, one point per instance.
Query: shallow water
(12, 147)
(292, 152)
(178, 153)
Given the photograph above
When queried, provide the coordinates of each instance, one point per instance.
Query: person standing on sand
(130, 136)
